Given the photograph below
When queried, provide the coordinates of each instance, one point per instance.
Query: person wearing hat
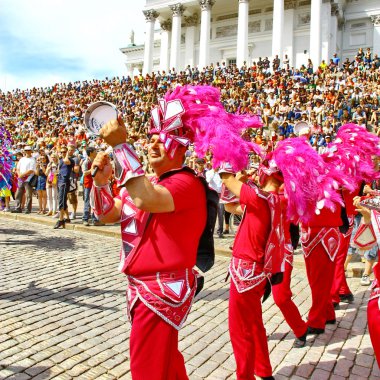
(161, 226)
(370, 219)
(340, 290)
(320, 264)
(258, 256)
(25, 172)
(248, 280)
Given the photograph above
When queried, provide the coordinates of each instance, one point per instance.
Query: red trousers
(154, 347)
(340, 285)
(282, 296)
(320, 273)
(373, 314)
(247, 332)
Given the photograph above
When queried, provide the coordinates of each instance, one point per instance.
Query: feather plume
(211, 127)
(308, 186)
(349, 156)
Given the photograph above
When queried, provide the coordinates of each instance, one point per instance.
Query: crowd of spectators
(48, 122)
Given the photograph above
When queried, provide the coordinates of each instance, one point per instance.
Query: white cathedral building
(200, 32)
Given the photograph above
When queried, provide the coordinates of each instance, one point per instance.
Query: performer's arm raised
(130, 174)
(106, 208)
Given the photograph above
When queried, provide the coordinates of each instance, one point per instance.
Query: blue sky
(43, 42)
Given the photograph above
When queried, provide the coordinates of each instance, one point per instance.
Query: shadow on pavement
(42, 371)
(61, 243)
(66, 295)
(17, 232)
(210, 295)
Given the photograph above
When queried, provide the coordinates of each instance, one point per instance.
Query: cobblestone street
(62, 316)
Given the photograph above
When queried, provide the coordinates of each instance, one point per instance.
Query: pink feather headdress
(308, 187)
(195, 114)
(350, 156)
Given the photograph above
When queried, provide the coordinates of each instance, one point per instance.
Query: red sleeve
(248, 197)
(179, 185)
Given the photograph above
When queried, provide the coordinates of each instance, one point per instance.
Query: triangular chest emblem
(131, 228)
(246, 272)
(175, 286)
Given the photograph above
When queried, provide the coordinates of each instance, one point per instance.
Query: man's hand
(366, 212)
(242, 176)
(66, 159)
(102, 162)
(114, 132)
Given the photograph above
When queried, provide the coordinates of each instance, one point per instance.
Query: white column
(191, 23)
(288, 32)
(130, 69)
(376, 34)
(177, 10)
(204, 43)
(326, 31)
(315, 33)
(278, 29)
(150, 17)
(242, 34)
(333, 30)
(165, 38)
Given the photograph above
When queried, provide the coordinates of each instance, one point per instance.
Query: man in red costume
(259, 236)
(340, 290)
(282, 294)
(373, 313)
(320, 240)
(371, 222)
(161, 227)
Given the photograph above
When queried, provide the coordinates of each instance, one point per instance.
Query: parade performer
(340, 291)
(162, 220)
(282, 294)
(351, 155)
(321, 237)
(258, 251)
(320, 240)
(368, 235)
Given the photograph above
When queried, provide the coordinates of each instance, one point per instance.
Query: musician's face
(159, 159)
(156, 151)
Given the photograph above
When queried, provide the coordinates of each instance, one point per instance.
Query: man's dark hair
(90, 150)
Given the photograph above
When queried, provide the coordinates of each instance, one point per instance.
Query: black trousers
(63, 190)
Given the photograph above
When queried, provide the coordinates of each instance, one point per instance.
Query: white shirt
(26, 164)
(214, 180)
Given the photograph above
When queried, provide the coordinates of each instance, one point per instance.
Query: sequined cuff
(227, 196)
(101, 200)
(127, 164)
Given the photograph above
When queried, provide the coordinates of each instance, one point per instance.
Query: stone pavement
(62, 316)
(222, 246)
